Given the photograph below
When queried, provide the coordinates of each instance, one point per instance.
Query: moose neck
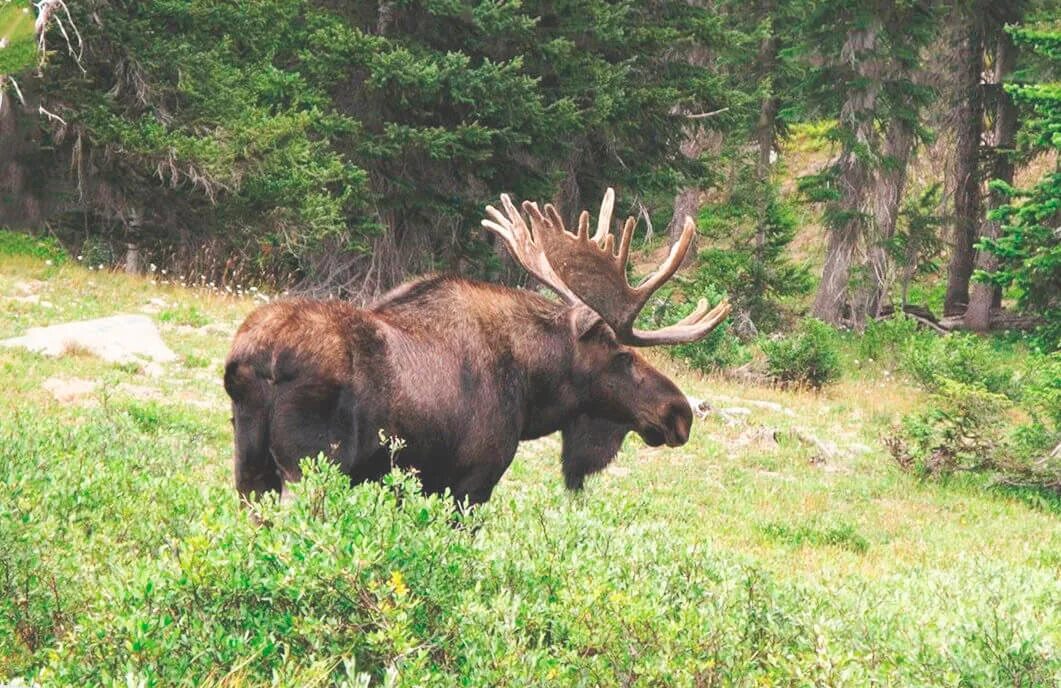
(552, 395)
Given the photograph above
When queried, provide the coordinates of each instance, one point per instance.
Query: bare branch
(51, 115)
(705, 115)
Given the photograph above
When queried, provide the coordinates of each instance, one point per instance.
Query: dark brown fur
(461, 370)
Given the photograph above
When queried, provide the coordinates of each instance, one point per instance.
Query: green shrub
(961, 357)
(842, 535)
(763, 282)
(887, 341)
(18, 244)
(962, 429)
(678, 298)
(125, 559)
(966, 427)
(809, 356)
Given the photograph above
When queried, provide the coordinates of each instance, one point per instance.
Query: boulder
(117, 339)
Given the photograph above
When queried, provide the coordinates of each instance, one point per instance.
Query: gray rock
(117, 339)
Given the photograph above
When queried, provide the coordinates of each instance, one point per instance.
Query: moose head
(589, 273)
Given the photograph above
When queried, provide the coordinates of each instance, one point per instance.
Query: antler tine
(513, 230)
(557, 222)
(624, 242)
(591, 270)
(583, 223)
(674, 260)
(604, 219)
(689, 329)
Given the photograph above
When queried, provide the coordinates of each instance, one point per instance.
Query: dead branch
(56, 12)
(705, 115)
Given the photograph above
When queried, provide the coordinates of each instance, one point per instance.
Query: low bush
(887, 341)
(809, 356)
(961, 357)
(19, 244)
(967, 427)
(842, 535)
(126, 559)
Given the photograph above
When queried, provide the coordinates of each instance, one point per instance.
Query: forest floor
(876, 577)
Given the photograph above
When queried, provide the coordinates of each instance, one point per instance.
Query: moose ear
(588, 325)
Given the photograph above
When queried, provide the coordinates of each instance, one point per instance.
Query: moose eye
(623, 359)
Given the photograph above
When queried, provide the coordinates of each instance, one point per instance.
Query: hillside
(781, 546)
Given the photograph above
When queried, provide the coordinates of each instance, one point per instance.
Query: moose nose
(679, 421)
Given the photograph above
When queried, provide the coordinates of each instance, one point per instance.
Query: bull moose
(465, 370)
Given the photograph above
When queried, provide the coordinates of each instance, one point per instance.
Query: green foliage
(917, 245)
(45, 248)
(760, 279)
(126, 558)
(1029, 248)
(962, 430)
(959, 357)
(676, 299)
(967, 428)
(843, 535)
(888, 340)
(1029, 253)
(295, 136)
(809, 137)
(809, 356)
(137, 572)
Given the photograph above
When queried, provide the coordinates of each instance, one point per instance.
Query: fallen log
(999, 319)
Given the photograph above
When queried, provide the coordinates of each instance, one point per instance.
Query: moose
(463, 371)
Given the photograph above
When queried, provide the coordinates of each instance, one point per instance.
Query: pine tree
(968, 118)
(999, 153)
(1028, 249)
(347, 144)
(869, 58)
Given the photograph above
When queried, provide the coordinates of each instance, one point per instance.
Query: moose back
(464, 370)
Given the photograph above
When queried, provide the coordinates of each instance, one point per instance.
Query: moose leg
(253, 465)
(589, 445)
(254, 468)
(482, 474)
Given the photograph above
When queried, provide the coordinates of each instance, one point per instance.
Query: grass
(16, 30)
(744, 558)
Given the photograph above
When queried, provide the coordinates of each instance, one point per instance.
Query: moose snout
(678, 421)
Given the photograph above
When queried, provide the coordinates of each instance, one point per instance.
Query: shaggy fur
(461, 370)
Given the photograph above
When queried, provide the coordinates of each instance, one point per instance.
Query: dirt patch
(69, 390)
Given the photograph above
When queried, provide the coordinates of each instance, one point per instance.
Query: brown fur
(461, 370)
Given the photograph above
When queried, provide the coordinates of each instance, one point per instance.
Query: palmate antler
(590, 270)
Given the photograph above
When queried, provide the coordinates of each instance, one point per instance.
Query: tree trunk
(686, 202)
(983, 296)
(967, 198)
(765, 130)
(887, 195)
(854, 176)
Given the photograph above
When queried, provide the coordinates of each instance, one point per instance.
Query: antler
(521, 244)
(590, 270)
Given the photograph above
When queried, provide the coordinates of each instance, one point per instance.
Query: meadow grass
(17, 36)
(748, 557)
